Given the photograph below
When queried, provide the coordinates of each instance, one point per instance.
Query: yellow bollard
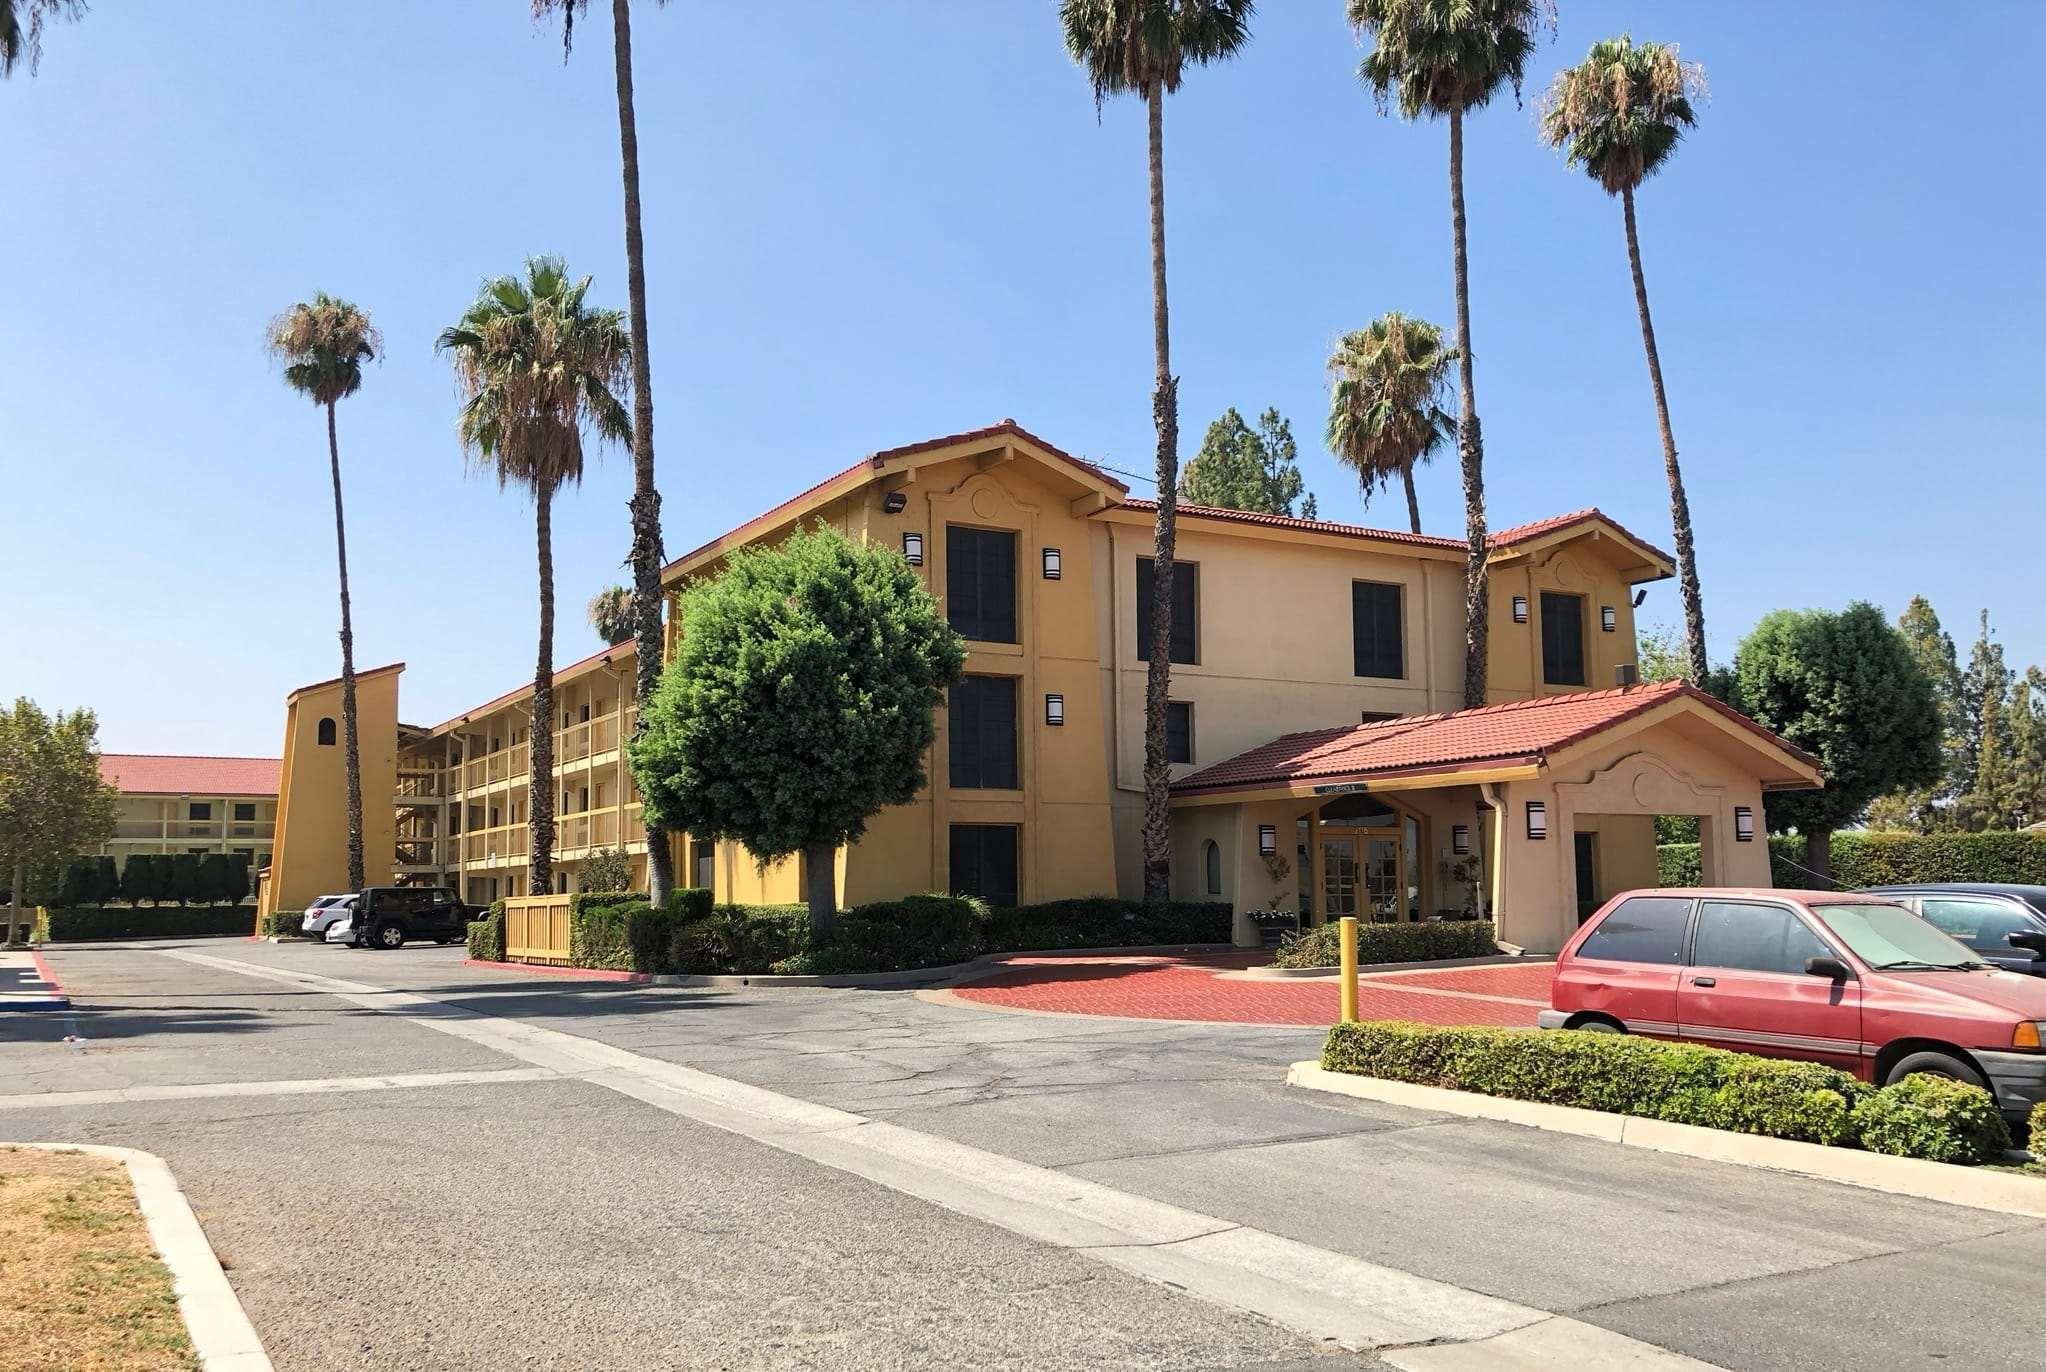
(1346, 936)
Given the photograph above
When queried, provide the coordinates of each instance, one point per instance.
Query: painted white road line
(310, 1086)
(1319, 1293)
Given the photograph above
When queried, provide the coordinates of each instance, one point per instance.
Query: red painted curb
(542, 969)
(49, 977)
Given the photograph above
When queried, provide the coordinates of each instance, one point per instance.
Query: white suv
(324, 913)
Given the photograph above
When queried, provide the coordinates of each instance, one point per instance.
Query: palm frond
(322, 344)
(1433, 56)
(1621, 112)
(1129, 45)
(1386, 412)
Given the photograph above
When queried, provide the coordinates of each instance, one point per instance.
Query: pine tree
(1983, 759)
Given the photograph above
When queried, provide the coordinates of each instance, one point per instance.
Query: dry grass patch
(85, 1289)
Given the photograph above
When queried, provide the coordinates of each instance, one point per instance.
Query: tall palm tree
(1619, 114)
(647, 552)
(21, 29)
(323, 343)
(1143, 47)
(537, 366)
(1448, 57)
(1385, 409)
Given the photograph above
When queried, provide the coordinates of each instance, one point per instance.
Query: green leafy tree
(2026, 801)
(1143, 48)
(799, 703)
(322, 344)
(1618, 116)
(537, 366)
(1385, 413)
(1241, 468)
(21, 30)
(610, 612)
(647, 555)
(1926, 808)
(1845, 688)
(53, 804)
(606, 869)
(1445, 58)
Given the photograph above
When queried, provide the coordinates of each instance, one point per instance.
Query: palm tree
(1447, 57)
(610, 612)
(647, 552)
(537, 366)
(323, 344)
(1385, 408)
(1143, 47)
(1619, 115)
(21, 29)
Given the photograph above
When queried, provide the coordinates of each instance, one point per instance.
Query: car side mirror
(1827, 967)
(2027, 939)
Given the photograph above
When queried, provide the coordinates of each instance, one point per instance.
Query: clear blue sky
(870, 224)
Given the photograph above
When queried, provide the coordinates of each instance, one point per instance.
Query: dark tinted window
(1178, 731)
(1753, 938)
(981, 725)
(244, 810)
(984, 862)
(1185, 629)
(1375, 629)
(1211, 857)
(1644, 929)
(1983, 925)
(1562, 639)
(201, 810)
(326, 733)
(980, 583)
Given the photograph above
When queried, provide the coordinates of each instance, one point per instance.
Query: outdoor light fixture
(1743, 824)
(1537, 820)
(1520, 609)
(1054, 709)
(894, 501)
(1460, 839)
(1608, 618)
(1051, 564)
(1640, 596)
(1267, 839)
(913, 549)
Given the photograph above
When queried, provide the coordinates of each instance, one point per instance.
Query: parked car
(1842, 978)
(387, 916)
(324, 913)
(2003, 924)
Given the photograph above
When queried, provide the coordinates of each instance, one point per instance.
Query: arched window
(326, 733)
(1211, 855)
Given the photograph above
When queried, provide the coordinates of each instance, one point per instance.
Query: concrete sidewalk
(26, 984)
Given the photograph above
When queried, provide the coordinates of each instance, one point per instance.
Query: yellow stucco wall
(1593, 569)
(310, 858)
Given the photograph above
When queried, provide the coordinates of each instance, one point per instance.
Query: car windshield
(1890, 938)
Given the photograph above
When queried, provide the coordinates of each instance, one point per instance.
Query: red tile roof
(1504, 538)
(1521, 731)
(179, 775)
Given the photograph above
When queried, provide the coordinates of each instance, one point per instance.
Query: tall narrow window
(1562, 639)
(980, 583)
(1375, 630)
(326, 734)
(1185, 607)
(981, 733)
(1178, 731)
(1211, 858)
(984, 862)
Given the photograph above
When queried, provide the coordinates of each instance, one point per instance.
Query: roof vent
(1626, 675)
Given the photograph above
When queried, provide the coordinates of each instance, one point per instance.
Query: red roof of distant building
(1521, 731)
(180, 775)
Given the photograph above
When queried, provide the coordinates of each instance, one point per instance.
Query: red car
(1853, 981)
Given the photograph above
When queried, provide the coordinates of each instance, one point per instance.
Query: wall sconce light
(1608, 618)
(1267, 839)
(1052, 564)
(913, 549)
(1460, 839)
(1054, 709)
(1640, 596)
(1520, 609)
(1537, 820)
(1743, 824)
(894, 502)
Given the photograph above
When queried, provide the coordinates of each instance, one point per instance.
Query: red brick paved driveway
(1191, 988)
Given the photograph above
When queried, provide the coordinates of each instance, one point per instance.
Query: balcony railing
(585, 738)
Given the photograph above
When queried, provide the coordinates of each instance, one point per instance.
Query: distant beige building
(171, 803)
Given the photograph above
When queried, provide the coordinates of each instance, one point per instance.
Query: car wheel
(1934, 1065)
(1598, 1026)
(389, 936)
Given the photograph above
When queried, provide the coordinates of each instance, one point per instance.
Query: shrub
(76, 926)
(1105, 922)
(740, 938)
(1886, 859)
(597, 932)
(1318, 947)
(1932, 1117)
(896, 935)
(486, 935)
(281, 924)
(2036, 1131)
(607, 869)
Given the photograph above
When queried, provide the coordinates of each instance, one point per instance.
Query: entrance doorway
(1370, 861)
(1586, 853)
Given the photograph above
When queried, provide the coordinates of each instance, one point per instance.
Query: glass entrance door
(1339, 875)
(1384, 878)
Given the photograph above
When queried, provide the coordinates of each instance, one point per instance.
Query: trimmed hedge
(486, 935)
(1318, 947)
(1886, 859)
(168, 921)
(1682, 1083)
(1106, 922)
(281, 924)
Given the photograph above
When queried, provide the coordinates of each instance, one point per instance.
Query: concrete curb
(1381, 969)
(221, 1333)
(952, 973)
(1976, 1188)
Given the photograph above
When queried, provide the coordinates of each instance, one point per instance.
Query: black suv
(385, 916)
(2003, 923)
